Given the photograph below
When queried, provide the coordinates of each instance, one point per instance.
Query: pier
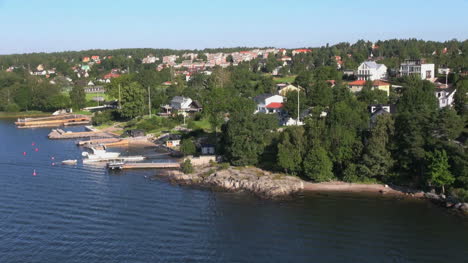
(53, 121)
(122, 166)
(57, 134)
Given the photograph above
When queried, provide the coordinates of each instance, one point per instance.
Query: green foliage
(377, 157)
(133, 100)
(155, 123)
(438, 169)
(317, 165)
(78, 97)
(246, 136)
(461, 97)
(188, 147)
(290, 106)
(187, 167)
(104, 117)
(291, 149)
(460, 194)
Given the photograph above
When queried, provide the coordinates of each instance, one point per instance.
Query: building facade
(369, 70)
(417, 67)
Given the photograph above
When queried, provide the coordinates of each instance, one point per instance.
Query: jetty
(53, 121)
(122, 165)
(58, 134)
(117, 142)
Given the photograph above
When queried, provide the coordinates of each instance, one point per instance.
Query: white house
(180, 103)
(445, 96)
(269, 103)
(369, 70)
(417, 67)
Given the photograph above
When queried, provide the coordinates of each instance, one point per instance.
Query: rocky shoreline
(269, 185)
(253, 180)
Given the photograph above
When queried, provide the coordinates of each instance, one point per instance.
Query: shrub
(187, 167)
(187, 147)
(12, 107)
(460, 194)
(223, 166)
(104, 117)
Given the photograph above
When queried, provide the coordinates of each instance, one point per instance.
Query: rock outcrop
(261, 183)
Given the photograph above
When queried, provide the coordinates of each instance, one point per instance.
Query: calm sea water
(85, 214)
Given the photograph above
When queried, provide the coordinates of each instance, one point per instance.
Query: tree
(133, 100)
(291, 149)
(78, 97)
(317, 165)
(290, 106)
(246, 136)
(377, 156)
(187, 147)
(187, 167)
(461, 97)
(320, 94)
(438, 169)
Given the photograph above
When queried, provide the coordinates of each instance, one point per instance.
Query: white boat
(70, 162)
(99, 154)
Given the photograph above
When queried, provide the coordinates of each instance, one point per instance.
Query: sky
(59, 25)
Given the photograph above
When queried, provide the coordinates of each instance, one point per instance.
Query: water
(85, 214)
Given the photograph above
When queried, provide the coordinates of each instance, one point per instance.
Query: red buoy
(37, 149)
(34, 173)
(24, 153)
(33, 143)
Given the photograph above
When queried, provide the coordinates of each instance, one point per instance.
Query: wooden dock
(57, 134)
(144, 166)
(53, 121)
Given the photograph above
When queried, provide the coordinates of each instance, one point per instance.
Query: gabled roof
(262, 97)
(372, 64)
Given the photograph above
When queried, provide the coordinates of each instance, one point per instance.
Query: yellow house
(288, 88)
(356, 86)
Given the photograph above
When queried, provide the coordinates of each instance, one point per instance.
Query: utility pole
(298, 105)
(149, 101)
(120, 105)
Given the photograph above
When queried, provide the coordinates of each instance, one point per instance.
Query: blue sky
(57, 25)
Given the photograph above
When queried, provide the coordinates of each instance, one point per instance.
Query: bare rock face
(256, 181)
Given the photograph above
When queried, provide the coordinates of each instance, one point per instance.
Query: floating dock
(123, 166)
(53, 121)
(57, 134)
(121, 159)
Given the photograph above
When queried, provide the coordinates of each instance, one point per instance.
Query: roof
(363, 82)
(179, 99)
(274, 105)
(372, 64)
(302, 50)
(262, 97)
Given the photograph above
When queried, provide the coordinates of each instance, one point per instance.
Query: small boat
(70, 162)
(99, 154)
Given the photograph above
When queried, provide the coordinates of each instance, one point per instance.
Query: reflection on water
(85, 214)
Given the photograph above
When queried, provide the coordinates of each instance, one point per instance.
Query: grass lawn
(202, 124)
(289, 79)
(89, 96)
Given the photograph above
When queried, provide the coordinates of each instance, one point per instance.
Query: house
(443, 70)
(183, 104)
(150, 59)
(172, 143)
(445, 96)
(94, 58)
(283, 89)
(269, 103)
(301, 51)
(417, 67)
(94, 89)
(369, 70)
(111, 76)
(208, 149)
(356, 86)
(379, 109)
(85, 59)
